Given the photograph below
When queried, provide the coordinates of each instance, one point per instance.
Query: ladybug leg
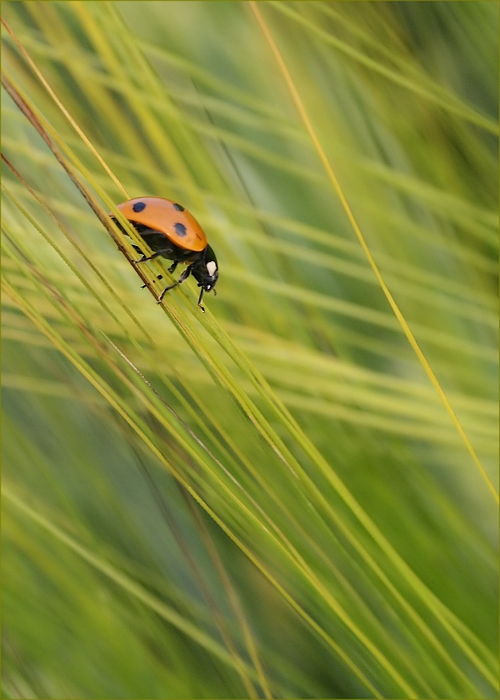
(152, 257)
(181, 279)
(158, 277)
(199, 300)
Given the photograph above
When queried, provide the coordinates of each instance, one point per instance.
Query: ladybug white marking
(211, 268)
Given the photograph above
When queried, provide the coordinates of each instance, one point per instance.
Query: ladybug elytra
(173, 233)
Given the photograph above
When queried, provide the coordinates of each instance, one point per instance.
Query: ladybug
(173, 233)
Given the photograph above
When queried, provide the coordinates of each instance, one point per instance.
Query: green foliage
(269, 499)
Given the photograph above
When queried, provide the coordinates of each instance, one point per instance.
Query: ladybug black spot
(179, 207)
(180, 229)
(139, 206)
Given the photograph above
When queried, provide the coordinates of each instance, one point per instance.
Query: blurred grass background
(268, 500)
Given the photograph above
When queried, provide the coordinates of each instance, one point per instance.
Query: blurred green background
(268, 500)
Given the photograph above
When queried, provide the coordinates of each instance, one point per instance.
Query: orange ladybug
(173, 233)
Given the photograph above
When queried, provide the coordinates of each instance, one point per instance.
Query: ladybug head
(206, 272)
